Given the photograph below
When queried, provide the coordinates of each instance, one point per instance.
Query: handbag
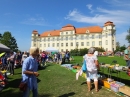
(84, 68)
(22, 86)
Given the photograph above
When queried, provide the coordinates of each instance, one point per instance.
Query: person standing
(11, 61)
(29, 72)
(92, 67)
(127, 56)
(24, 56)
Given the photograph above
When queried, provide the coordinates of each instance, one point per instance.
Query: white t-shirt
(90, 62)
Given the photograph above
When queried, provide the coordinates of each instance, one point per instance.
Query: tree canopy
(8, 40)
(128, 36)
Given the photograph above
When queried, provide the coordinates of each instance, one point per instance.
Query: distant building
(69, 37)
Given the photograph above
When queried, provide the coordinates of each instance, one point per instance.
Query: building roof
(108, 23)
(91, 29)
(50, 33)
(67, 27)
(35, 32)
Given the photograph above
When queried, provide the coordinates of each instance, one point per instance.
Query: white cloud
(90, 7)
(121, 38)
(35, 21)
(100, 16)
(119, 3)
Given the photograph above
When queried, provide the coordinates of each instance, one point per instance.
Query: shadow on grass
(67, 95)
(45, 95)
(10, 93)
(44, 67)
(14, 83)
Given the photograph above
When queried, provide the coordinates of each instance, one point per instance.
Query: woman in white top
(24, 56)
(92, 67)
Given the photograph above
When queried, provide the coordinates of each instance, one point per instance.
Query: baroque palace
(69, 37)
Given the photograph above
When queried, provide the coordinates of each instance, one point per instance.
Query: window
(113, 42)
(82, 37)
(99, 36)
(34, 40)
(71, 38)
(87, 37)
(100, 43)
(87, 43)
(106, 42)
(61, 38)
(77, 37)
(40, 40)
(53, 44)
(66, 32)
(66, 44)
(71, 32)
(82, 43)
(48, 44)
(34, 44)
(40, 45)
(44, 39)
(44, 45)
(93, 43)
(71, 44)
(61, 44)
(57, 44)
(66, 38)
(61, 33)
(57, 38)
(77, 44)
(61, 50)
(48, 39)
(106, 35)
(92, 36)
(53, 39)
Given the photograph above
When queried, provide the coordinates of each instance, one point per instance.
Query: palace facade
(69, 37)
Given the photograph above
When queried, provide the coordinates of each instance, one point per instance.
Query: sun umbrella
(2, 54)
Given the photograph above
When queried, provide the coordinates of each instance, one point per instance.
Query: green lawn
(57, 81)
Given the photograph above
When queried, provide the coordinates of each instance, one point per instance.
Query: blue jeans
(128, 63)
(27, 92)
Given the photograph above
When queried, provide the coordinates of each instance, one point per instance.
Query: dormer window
(49, 34)
(87, 31)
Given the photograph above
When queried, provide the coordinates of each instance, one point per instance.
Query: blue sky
(21, 17)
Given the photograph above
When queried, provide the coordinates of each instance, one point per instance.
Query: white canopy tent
(52, 49)
(4, 48)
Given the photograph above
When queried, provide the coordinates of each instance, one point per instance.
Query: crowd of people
(30, 62)
(12, 60)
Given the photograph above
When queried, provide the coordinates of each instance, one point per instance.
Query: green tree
(122, 48)
(0, 36)
(9, 41)
(117, 46)
(128, 36)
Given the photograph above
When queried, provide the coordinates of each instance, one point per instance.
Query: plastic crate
(107, 84)
(114, 87)
(119, 83)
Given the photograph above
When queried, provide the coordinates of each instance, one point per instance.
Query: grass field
(57, 81)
